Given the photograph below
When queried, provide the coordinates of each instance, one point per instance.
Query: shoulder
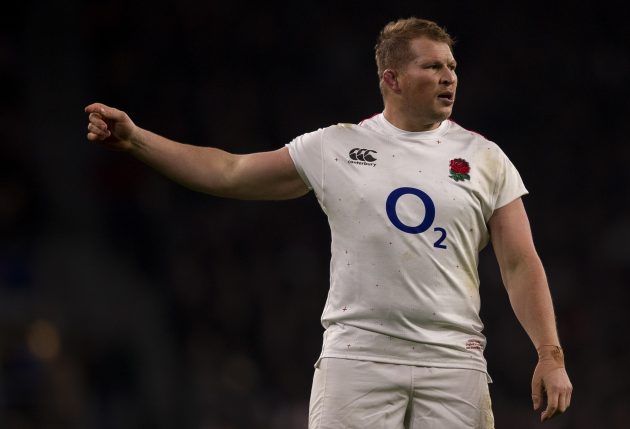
(344, 130)
(366, 129)
(456, 130)
(475, 140)
(324, 137)
(340, 127)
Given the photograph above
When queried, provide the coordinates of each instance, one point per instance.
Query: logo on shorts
(362, 156)
(474, 345)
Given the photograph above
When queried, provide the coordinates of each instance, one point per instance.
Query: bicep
(511, 235)
(266, 176)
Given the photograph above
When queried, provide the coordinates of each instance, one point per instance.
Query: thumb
(106, 112)
(94, 108)
(111, 113)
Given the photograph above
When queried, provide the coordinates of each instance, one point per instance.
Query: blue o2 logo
(429, 214)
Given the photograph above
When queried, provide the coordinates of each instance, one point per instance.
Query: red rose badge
(459, 169)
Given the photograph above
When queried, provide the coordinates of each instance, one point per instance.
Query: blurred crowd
(127, 301)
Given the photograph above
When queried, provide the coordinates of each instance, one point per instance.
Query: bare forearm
(527, 288)
(201, 169)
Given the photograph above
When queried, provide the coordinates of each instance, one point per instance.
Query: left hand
(551, 379)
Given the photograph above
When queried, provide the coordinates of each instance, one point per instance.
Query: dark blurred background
(129, 302)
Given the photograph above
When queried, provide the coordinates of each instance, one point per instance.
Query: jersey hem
(424, 363)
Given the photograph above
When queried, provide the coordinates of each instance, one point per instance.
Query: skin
(418, 96)
(412, 94)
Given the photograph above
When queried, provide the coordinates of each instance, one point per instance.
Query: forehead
(423, 48)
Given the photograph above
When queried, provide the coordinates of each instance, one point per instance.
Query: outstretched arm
(257, 176)
(526, 284)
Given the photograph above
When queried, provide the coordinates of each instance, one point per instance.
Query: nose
(448, 77)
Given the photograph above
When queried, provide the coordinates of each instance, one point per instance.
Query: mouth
(447, 97)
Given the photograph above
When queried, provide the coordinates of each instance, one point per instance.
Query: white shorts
(354, 394)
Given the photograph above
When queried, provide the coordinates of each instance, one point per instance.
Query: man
(411, 198)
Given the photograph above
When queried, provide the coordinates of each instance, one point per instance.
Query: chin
(443, 116)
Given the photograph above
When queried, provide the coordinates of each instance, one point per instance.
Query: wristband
(551, 352)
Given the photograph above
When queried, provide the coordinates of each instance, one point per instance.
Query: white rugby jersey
(408, 214)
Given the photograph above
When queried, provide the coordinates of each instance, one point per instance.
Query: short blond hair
(392, 47)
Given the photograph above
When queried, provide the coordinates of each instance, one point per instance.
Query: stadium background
(127, 301)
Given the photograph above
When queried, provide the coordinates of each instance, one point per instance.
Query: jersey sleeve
(306, 153)
(509, 185)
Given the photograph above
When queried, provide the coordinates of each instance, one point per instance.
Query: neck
(399, 119)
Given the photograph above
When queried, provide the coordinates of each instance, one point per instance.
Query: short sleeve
(509, 185)
(306, 153)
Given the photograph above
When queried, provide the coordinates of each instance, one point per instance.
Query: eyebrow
(434, 60)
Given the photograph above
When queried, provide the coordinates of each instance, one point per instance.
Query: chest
(407, 183)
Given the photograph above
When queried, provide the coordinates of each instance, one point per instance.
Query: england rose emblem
(459, 169)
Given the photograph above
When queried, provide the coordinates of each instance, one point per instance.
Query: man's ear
(390, 80)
